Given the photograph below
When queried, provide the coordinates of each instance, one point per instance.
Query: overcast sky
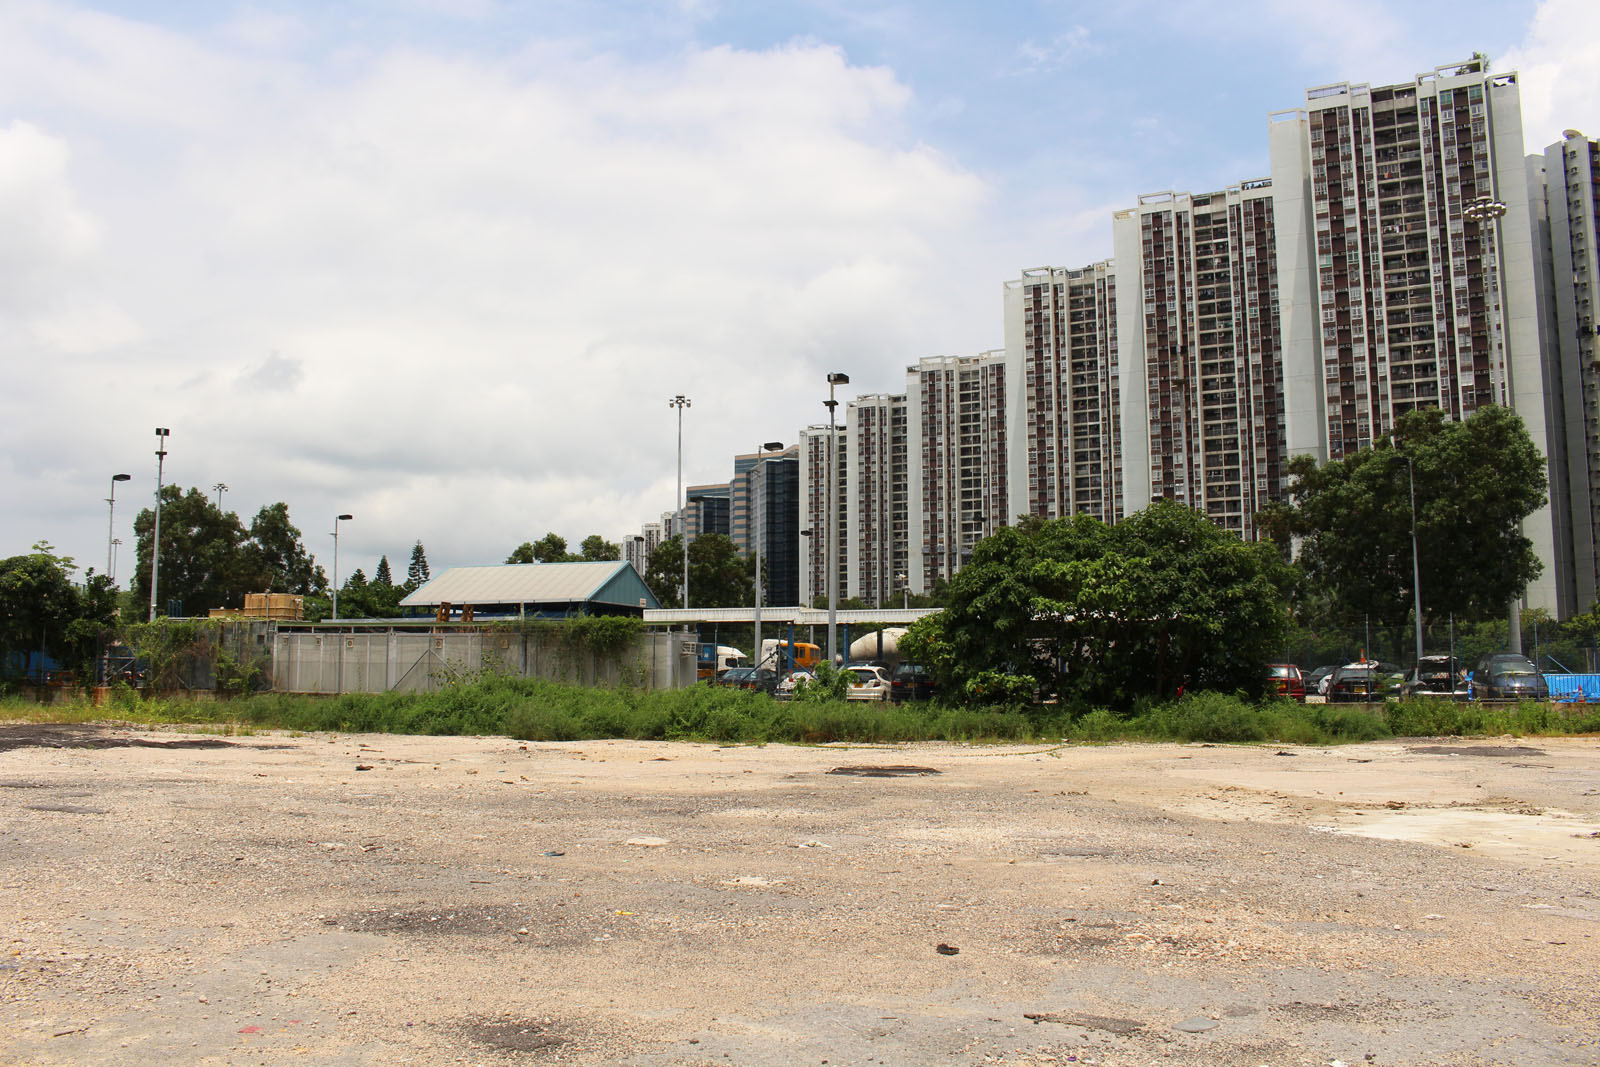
(442, 263)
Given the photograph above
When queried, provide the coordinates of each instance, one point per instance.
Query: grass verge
(534, 710)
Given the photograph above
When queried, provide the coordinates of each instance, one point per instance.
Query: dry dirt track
(174, 898)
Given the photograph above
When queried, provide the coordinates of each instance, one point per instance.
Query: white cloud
(1035, 56)
(480, 281)
(51, 254)
(44, 231)
(1559, 66)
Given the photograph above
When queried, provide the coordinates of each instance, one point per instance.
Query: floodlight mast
(832, 531)
(162, 433)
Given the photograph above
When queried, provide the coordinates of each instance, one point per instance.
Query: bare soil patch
(178, 898)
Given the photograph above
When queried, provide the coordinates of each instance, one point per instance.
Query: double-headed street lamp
(111, 523)
(761, 456)
(680, 402)
(162, 433)
(831, 534)
(336, 520)
(220, 487)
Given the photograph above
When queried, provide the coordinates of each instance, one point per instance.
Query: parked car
(1284, 680)
(762, 679)
(1508, 676)
(867, 683)
(911, 681)
(790, 682)
(1366, 681)
(1435, 676)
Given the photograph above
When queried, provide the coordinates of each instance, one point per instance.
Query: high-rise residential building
(817, 447)
(1198, 336)
(636, 548)
(1063, 422)
(1405, 240)
(876, 499)
(1567, 225)
(956, 427)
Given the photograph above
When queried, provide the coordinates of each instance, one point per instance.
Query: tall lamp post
(1416, 567)
(1487, 212)
(680, 402)
(905, 591)
(111, 523)
(220, 488)
(336, 520)
(831, 534)
(761, 585)
(162, 433)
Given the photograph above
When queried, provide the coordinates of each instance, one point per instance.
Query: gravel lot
(179, 897)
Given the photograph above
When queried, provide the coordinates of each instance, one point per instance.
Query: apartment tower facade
(1198, 325)
(875, 548)
(1567, 218)
(1409, 204)
(1064, 422)
(817, 446)
(957, 423)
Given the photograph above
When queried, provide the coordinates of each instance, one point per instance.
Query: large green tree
(41, 610)
(203, 563)
(276, 559)
(1097, 614)
(718, 576)
(597, 549)
(552, 548)
(209, 560)
(1476, 480)
(417, 572)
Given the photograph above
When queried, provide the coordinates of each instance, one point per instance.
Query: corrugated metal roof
(519, 583)
(778, 616)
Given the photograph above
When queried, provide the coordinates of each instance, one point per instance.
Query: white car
(867, 683)
(790, 682)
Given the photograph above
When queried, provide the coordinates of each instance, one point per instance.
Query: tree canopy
(417, 572)
(718, 576)
(209, 560)
(376, 599)
(1095, 614)
(552, 548)
(1476, 480)
(42, 611)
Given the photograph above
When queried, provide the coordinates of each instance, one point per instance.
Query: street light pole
(761, 456)
(1416, 567)
(162, 433)
(832, 532)
(680, 402)
(905, 591)
(111, 523)
(336, 521)
(220, 487)
(1487, 212)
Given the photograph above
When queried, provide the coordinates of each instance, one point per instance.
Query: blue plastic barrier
(1574, 688)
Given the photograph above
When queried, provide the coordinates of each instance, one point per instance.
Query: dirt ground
(183, 898)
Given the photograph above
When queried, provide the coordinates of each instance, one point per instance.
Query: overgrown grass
(536, 710)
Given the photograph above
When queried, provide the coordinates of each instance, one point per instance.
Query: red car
(1284, 680)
